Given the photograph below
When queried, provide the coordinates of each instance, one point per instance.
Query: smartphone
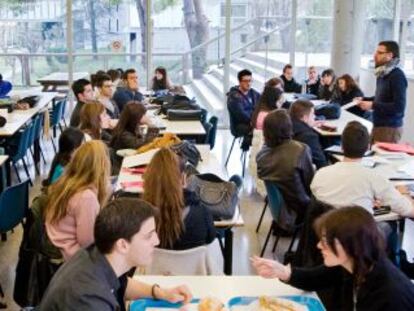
(382, 210)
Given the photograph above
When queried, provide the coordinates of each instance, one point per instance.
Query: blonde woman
(93, 119)
(75, 199)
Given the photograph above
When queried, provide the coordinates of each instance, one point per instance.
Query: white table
(226, 287)
(18, 118)
(340, 124)
(183, 128)
(209, 164)
(56, 79)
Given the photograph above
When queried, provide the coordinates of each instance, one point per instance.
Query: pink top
(75, 230)
(260, 119)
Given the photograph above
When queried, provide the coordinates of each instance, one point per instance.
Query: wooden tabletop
(61, 78)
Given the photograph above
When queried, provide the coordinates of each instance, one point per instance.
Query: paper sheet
(139, 159)
(349, 105)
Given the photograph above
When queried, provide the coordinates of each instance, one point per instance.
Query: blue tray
(313, 304)
(142, 304)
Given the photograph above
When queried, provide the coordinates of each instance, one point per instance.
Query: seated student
(115, 76)
(97, 278)
(270, 99)
(129, 91)
(241, 101)
(285, 161)
(355, 267)
(160, 80)
(83, 91)
(346, 90)
(93, 121)
(348, 182)
(70, 139)
(104, 87)
(313, 81)
(327, 87)
(183, 222)
(5, 87)
(127, 134)
(76, 197)
(290, 84)
(302, 114)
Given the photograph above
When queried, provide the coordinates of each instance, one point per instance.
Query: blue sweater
(123, 95)
(390, 99)
(241, 106)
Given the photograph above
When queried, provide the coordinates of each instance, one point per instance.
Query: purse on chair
(220, 197)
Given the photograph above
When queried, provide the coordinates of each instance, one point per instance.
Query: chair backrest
(23, 143)
(232, 123)
(14, 203)
(57, 112)
(275, 199)
(207, 127)
(65, 100)
(213, 132)
(38, 126)
(202, 260)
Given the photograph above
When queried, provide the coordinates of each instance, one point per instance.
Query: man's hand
(271, 269)
(175, 294)
(365, 105)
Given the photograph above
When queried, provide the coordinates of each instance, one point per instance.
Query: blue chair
(236, 135)
(38, 129)
(55, 118)
(14, 204)
(64, 112)
(276, 203)
(23, 141)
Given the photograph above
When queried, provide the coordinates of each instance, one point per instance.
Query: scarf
(383, 70)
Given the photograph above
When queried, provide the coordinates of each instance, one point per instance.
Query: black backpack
(188, 151)
(180, 102)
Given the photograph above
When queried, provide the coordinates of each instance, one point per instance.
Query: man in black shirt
(97, 278)
(290, 84)
(83, 91)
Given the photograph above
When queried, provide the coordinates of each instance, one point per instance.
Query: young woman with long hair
(70, 139)
(270, 99)
(355, 265)
(93, 119)
(183, 223)
(346, 91)
(160, 80)
(76, 197)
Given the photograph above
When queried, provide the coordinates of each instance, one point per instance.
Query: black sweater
(390, 99)
(305, 134)
(344, 98)
(291, 86)
(385, 287)
(198, 224)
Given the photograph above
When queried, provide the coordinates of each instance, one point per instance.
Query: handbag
(220, 197)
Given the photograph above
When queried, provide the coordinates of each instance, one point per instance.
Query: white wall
(367, 83)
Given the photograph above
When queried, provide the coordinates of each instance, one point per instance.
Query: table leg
(228, 251)
(36, 152)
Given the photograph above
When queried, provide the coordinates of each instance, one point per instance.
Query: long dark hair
(350, 83)
(270, 95)
(70, 139)
(129, 119)
(355, 228)
(162, 84)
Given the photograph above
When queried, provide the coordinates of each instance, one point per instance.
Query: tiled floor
(246, 241)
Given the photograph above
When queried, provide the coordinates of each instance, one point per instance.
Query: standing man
(241, 100)
(389, 102)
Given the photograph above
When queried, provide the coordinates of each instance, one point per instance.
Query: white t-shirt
(350, 183)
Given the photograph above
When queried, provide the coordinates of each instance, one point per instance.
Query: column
(348, 35)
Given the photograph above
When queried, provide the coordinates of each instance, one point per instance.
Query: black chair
(236, 135)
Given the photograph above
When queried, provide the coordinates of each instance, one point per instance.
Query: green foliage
(161, 5)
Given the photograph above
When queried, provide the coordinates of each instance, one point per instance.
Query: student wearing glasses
(356, 270)
(388, 104)
(241, 101)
